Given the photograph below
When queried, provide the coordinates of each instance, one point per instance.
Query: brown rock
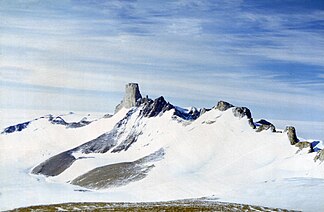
(291, 132)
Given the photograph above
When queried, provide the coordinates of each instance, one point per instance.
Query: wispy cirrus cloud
(190, 51)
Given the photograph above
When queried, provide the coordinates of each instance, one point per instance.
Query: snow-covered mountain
(151, 150)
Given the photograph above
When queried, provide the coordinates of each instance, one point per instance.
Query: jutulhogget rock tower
(132, 94)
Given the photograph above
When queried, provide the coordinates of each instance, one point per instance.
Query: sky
(78, 55)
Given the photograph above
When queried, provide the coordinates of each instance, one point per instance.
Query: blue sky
(77, 55)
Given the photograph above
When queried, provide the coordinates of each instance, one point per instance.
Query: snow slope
(217, 154)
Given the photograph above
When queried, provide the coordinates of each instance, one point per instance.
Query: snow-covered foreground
(217, 154)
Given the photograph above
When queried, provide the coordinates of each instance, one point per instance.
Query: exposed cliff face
(132, 95)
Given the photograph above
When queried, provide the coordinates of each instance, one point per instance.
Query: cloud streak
(191, 51)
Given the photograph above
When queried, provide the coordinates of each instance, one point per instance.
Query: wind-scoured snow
(218, 154)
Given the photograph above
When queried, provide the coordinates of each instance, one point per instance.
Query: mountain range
(152, 150)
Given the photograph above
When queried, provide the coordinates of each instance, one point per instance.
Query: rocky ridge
(148, 108)
(55, 120)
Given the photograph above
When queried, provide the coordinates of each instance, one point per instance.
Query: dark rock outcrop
(101, 144)
(190, 115)
(265, 125)
(251, 123)
(16, 128)
(143, 101)
(203, 110)
(292, 136)
(59, 163)
(132, 95)
(128, 141)
(57, 120)
(241, 112)
(60, 121)
(222, 105)
(194, 112)
(244, 111)
(153, 108)
(106, 116)
(81, 123)
(304, 144)
(108, 140)
(319, 156)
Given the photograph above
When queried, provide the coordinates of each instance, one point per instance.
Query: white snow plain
(216, 155)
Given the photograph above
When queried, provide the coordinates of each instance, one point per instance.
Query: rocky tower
(132, 94)
(291, 132)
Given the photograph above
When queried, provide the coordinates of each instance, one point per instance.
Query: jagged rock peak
(132, 95)
(153, 108)
(291, 132)
(222, 105)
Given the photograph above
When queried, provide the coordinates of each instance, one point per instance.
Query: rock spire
(132, 95)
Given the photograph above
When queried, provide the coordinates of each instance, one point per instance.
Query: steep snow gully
(151, 150)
